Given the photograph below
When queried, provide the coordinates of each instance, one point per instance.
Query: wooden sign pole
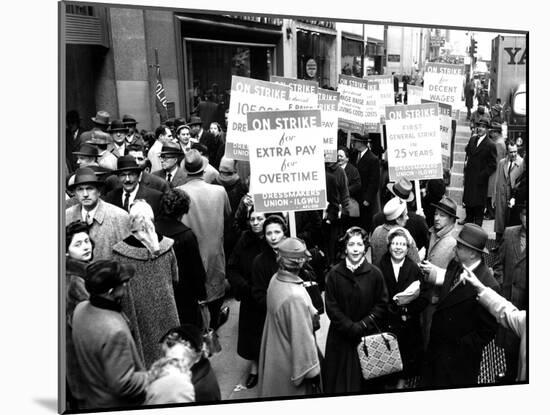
(292, 223)
(419, 209)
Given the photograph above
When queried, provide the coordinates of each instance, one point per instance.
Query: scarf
(352, 267)
(142, 227)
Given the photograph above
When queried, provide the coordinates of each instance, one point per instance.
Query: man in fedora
(87, 156)
(170, 158)
(132, 137)
(196, 130)
(210, 174)
(101, 121)
(108, 223)
(183, 134)
(369, 169)
(480, 163)
(163, 135)
(440, 252)
(208, 210)
(118, 131)
(129, 174)
(101, 141)
(113, 374)
(461, 327)
(147, 179)
(416, 224)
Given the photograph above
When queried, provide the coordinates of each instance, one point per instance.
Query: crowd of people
(161, 229)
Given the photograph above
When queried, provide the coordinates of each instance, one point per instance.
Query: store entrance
(210, 65)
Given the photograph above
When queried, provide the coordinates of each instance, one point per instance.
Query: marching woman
(239, 273)
(355, 295)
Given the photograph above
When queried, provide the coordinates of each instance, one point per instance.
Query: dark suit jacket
(369, 170)
(151, 196)
(481, 162)
(461, 328)
(354, 180)
(179, 179)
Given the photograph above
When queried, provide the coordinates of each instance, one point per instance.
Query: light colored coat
(511, 318)
(112, 371)
(502, 190)
(110, 225)
(288, 353)
(208, 209)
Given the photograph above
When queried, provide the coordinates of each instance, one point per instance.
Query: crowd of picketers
(161, 229)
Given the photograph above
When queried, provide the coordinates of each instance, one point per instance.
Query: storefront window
(351, 57)
(314, 57)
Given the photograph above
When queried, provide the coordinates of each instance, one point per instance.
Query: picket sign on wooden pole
(348, 140)
(419, 209)
(292, 223)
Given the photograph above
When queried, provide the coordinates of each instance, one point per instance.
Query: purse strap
(386, 341)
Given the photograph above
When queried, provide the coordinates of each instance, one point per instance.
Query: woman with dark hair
(239, 274)
(217, 143)
(79, 253)
(354, 182)
(190, 289)
(355, 296)
(408, 296)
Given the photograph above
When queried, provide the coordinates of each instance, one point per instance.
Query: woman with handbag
(355, 295)
(239, 274)
(408, 296)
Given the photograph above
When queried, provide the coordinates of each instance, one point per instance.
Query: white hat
(394, 208)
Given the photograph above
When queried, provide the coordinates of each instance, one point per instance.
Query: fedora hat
(483, 122)
(84, 175)
(96, 137)
(446, 205)
(129, 120)
(179, 122)
(87, 150)
(394, 208)
(181, 126)
(118, 125)
(358, 137)
(127, 163)
(402, 188)
(195, 120)
(194, 162)
(102, 117)
(171, 148)
(104, 274)
(473, 236)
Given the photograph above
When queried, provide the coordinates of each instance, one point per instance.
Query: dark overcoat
(351, 297)
(369, 171)
(481, 162)
(239, 274)
(151, 196)
(461, 328)
(404, 321)
(190, 287)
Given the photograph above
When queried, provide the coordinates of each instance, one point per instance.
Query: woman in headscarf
(150, 304)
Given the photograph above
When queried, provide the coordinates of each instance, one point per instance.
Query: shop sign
(414, 143)
(444, 83)
(311, 68)
(287, 169)
(250, 95)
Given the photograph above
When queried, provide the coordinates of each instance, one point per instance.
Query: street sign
(311, 68)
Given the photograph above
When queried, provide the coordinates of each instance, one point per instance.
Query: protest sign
(372, 111)
(250, 95)
(352, 104)
(445, 126)
(287, 169)
(302, 95)
(386, 93)
(444, 83)
(414, 94)
(328, 104)
(414, 144)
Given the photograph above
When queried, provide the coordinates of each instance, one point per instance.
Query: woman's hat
(446, 205)
(394, 208)
(84, 175)
(118, 125)
(473, 236)
(129, 120)
(293, 248)
(87, 150)
(181, 126)
(402, 188)
(195, 120)
(127, 163)
(194, 162)
(102, 117)
(104, 274)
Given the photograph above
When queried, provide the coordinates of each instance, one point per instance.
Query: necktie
(509, 169)
(456, 279)
(89, 219)
(126, 200)
(168, 177)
